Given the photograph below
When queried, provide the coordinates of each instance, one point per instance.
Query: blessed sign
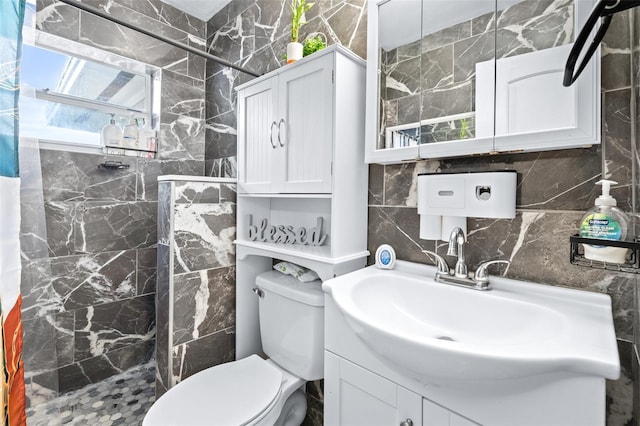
(286, 234)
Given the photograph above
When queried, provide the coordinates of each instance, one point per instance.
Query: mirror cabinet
(449, 78)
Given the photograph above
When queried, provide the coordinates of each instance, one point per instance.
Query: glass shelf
(632, 265)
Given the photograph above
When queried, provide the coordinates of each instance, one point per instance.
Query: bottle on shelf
(130, 134)
(111, 134)
(605, 221)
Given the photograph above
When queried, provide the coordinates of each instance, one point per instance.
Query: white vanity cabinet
(356, 396)
(290, 122)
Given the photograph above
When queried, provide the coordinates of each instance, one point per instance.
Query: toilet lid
(228, 394)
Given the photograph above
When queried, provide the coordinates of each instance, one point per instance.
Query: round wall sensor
(385, 257)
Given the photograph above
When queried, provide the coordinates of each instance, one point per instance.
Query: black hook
(603, 9)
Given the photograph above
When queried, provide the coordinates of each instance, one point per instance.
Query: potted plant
(313, 44)
(298, 9)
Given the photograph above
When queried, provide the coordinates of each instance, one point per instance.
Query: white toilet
(253, 391)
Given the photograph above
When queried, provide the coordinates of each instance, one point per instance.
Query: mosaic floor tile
(119, 400)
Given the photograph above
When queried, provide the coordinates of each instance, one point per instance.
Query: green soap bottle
(607, 222)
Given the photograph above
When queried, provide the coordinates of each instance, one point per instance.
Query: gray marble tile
(437, 68)
(163, 297)
(446, 36)
(39, 345)
(182, 96)
(468, 52)
(345, 19)
(38, 296)
(399, 227)
(197, 193)
(376, 184)
(221, 136)
(264, 60)
(60, 219)
(73, 176)
(58, 18)
(616, 54)
(208, 351)
(222, 167)
(147, 271)
(618, 163)
(33, 225)
(181, 137)
(204, 303)
(96, 369)
(64, 329)
(91, 279)
(105, 226)
(196, 65)
(407, 109)
(221, 96)
(442, 102)
(203, 236)
(165, 212)
(103, 328)
(228, 193)
(484, 23)
(149, 170)
(315, 412)
(526, 10)
(95, 31)
(41, 388)
(234, 40)
(403, 79)
(542, 32)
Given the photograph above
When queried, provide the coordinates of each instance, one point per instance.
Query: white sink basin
(438, 333)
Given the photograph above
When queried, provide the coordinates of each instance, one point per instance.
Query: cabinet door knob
(279, 124)
(271, 134)
(407, 422)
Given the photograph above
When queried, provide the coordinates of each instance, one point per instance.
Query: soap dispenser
(111, 133)
(605, 221)
(130, 134)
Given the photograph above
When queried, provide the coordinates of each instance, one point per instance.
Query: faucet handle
(482, 276)
(443, 267)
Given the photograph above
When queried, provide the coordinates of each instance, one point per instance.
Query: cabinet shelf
(632, 265)
(320, 254)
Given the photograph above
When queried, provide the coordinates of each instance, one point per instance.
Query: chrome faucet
(457, 239)
(460, 275)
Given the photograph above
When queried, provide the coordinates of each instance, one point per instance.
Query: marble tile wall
(89, 256)
(196, 279)
(554, 188)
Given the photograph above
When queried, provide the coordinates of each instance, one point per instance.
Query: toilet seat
(235, 393)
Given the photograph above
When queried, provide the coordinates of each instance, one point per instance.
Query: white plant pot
(294, 52)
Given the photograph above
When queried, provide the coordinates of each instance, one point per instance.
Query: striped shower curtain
(12, 395)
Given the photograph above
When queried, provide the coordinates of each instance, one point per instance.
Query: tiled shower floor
(120, 400)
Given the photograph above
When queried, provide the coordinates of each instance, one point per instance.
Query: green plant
(464, 129)
(298, 9)
(312, 45)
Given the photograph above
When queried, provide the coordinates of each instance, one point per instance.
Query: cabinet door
(436, 415)
(305, 127)
(357, 397)
(257, 136)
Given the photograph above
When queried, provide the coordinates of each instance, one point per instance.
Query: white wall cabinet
(355, 396)
(285, 132)
(300, 158)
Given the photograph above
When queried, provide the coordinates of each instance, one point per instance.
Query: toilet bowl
(254, 391)
(251, 391)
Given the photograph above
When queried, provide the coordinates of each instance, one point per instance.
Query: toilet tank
(292, 323)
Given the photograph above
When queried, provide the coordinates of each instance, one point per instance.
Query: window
(68, 99)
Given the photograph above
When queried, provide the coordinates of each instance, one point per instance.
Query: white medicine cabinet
(449, 78)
